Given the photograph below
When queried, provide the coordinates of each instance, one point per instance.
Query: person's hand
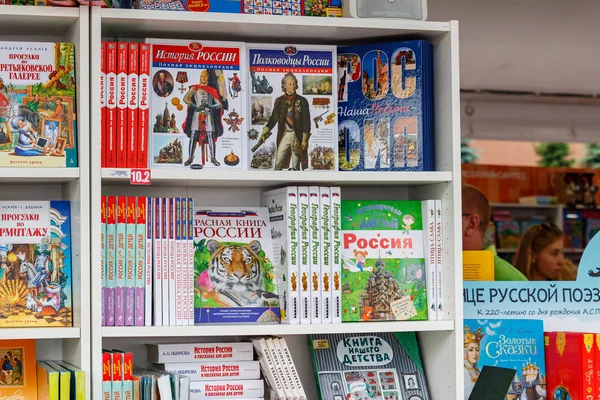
(304, 144)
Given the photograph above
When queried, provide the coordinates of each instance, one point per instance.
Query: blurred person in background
(540, 254)
(476, 216)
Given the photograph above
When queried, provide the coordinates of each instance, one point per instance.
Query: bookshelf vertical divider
(50, 24)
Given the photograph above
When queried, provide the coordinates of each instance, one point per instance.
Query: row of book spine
(117, 375)
(434, 258)
(124, 85)
(60, 380)
(312, 224)
(147, 261)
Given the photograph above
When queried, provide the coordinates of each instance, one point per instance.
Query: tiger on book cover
(233, 268)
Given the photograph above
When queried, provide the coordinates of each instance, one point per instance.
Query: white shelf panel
(143, 23)
(526, 206)
(52, 20)
(212, 178)
(39, 333)
(257, 330)
(35, 175)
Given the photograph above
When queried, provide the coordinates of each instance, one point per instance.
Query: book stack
(124, 86)
(279, 369)
(215, 370)
(147, 267)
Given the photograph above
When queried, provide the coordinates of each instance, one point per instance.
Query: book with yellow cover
(48, 386)
(64, 379)
(77, 380)
(478, 265)
(18, 377)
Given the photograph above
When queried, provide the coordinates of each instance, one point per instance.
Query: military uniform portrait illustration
(292, 116)
(203, 124)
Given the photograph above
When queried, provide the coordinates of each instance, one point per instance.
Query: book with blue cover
(385, 106)
(513, 344)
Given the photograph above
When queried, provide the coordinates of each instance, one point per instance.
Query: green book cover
(383, 265)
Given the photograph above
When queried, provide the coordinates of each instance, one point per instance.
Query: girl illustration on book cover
(472, 343)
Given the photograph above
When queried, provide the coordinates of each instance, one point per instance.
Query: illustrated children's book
(385, 95)
(37, 105)
(35, 264)
(292, 100)
(383, 265)
(197, 111)
(368, 366)
(18, 378)
(571, 362)
(514, 344)
(233, 266)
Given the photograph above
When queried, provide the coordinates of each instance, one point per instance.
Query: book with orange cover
(18, 379)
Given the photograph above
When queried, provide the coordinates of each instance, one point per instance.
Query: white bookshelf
(441, 342)
(278, 330)
(50, 24)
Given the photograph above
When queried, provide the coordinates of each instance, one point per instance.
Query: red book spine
(597, 365)
(106, 367)
(122, 124)
(111, 104)
(103, 136)
(143, 105)
(587, 365)
(132, 105)
(127, 366)
(117, 368)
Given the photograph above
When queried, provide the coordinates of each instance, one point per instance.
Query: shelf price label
(140, 176)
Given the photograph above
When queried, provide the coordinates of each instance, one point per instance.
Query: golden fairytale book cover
(37, 105)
